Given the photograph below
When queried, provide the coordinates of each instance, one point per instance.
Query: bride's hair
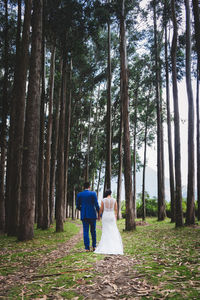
(107, 193)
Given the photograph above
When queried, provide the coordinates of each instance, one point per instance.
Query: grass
(168, 258)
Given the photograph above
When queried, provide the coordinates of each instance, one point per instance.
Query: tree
(170, 152)
(190, 213)
(16, 132)
(109, 114)
(178, 198)
(60, 158)
(160, 160)
(46, 214)
(196, 14)
(3, 124)
(31, 131)
(130, 217)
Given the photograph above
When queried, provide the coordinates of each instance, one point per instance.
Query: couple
(86, 202)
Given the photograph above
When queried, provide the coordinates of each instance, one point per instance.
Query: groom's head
(86, 185)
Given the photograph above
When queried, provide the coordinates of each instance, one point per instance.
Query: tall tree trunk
(120, 153)
(177, 146)
(196, 13)
(60, 192)
(40, 175)
(190, 213)
(8, 203)
(17, 125)
(161, 200)
(87, 169)
(198, 147)
(31, 132)
(169, 131)
(46, 214)
(109, 128)
(3, 123)
(54, 150)
(135, 152)
(130, 217)
(144, 163)
(68, 126)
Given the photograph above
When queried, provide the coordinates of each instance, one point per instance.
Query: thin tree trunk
(196, 14)
(46, 214)
(17, 125)
(170, 153)
(109, 128)
(31, 132)
(87, 168)
(3, 123)
(135, 152)
(60, 193)
(190, 213)
(177, 147)
(198, 147)
(54, 151)
(120, 153)
(161, 200)
(99, 179)
(40, 175)
(130, 218)
(144, 163)
(68, 126)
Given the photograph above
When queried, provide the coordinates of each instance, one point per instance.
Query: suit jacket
(87, 203)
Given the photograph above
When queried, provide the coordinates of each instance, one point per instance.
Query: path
(113, 277)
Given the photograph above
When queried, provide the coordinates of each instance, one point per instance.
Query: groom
(87, 203)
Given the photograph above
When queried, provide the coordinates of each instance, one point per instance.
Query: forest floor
(160, 262)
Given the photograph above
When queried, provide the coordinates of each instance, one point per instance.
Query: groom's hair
(86, 185)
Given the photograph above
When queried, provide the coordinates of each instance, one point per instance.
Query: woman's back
(109, 204)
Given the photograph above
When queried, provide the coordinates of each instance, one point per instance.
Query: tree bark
(170, 153)
(40, 175)
(198, 147)
(17, 125)
(144, 163)
(68, 133)
(31, 132)
(135, 152)
(190, 213)
(46, 213)
(109, 114)
(60, 192)
(177, 146)
(130, 217)
(54, 150)
(161, 200)
(196, 14)
(120, 168)
(3, 123)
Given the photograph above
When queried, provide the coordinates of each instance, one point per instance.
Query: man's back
(87, 203)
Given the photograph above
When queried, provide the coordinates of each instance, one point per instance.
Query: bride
(111, 242)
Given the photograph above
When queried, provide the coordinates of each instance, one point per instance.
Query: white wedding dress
(111, 242)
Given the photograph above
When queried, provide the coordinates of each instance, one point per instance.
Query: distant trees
(61, 119)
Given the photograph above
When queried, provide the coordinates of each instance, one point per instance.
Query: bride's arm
(115, 209)
(101, 210)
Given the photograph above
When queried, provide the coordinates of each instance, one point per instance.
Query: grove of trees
(84, 86)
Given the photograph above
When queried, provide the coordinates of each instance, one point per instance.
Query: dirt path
(113, 277)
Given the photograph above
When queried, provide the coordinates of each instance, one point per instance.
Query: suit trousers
(89, 223)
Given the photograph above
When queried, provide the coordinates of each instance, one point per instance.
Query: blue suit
(87, 203)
